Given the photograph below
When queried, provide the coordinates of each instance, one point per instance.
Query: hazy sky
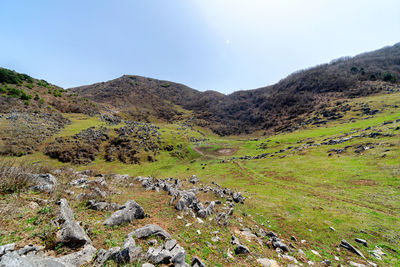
(222, 45)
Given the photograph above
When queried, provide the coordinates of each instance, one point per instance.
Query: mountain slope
(284, 105)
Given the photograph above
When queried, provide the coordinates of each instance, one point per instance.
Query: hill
(285, 105)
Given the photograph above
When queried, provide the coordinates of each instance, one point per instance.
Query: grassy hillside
(343, 173)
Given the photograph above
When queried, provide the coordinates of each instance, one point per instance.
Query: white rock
(264, 262)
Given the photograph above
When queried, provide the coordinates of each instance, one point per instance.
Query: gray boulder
(159, 255)
(79, 258)
(43, 182)
(101, 205)
(186, 200)
(204, 213)
(361, 241)
(150, 230)
(104, 255)
(129, 252)
(242, 249)
(194, 179)
(70, 233)
(128, 212)
(238, 198)
(277, 243)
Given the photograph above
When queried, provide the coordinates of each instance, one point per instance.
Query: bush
(389, 77)
(14, 92)
(25, 96)
(354, 70)
(43, 83)
(29, 85)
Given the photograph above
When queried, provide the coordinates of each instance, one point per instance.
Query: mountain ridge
(285, 104)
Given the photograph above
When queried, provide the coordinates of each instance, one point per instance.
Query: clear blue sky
(222, 45)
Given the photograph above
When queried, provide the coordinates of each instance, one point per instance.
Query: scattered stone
(194, 179)
(150, 230)
(222, 219)
(241, 249)
(128, 212)
(104, 255)
(238, 198)
(290, 258)
(264, 262)
(316, 253)
(204, 213)
(355, 264)
(377, 253)
(301, 252)
(349, 247)
(326, 262)
(361, 241)
(101, 206)
(196, 262)
(159, 255)
(277, 243)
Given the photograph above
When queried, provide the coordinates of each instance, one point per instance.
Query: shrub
(10, 76)
(36, 98)
(389, 77)
(14, 92)
(354, 70)
(26, 102)
(43, 83)
(29, 85)
(25, 96)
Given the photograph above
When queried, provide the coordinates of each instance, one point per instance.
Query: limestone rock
(128, 212)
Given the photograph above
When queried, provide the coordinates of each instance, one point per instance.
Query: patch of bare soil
(204, 150)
